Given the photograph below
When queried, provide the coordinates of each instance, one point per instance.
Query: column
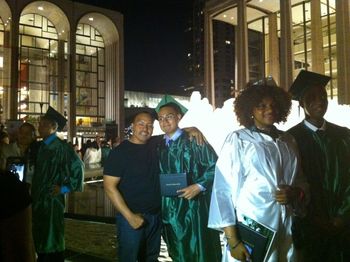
(274, 55)
(114, 86)
(242, 71)
(61, 75)
(209, 86)
(287, 64)
(72, 84)
(14, 83)
(343, 51)
(6, 75)
(317, 57)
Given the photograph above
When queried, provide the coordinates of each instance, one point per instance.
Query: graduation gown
(185, 221)
(326, 165)
(250, 168)
(56, 164)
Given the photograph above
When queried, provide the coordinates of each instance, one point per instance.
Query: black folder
(256, 237)
(170, 183)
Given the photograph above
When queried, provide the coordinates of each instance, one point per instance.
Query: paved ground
(77, 257)
(71, 256)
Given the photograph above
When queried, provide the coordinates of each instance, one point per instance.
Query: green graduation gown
(185, 221)
(325, 160)
(56, 164)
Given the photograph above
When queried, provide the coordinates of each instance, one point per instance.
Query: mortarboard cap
(305, 80)
(52, 114)
(167, 99)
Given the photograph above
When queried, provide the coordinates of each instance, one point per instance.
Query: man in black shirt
(132, 184)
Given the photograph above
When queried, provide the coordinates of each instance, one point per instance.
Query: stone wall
(92, 238)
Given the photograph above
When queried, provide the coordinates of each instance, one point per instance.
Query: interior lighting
(40, 8)
(91, 19)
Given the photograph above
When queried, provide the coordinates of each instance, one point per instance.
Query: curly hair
(253, 95)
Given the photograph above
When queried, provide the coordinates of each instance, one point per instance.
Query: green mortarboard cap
(167, 99)
(305, 80)
(57, 117)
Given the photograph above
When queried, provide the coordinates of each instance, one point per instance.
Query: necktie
(169, 142)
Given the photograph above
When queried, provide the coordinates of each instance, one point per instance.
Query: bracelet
(235, 245)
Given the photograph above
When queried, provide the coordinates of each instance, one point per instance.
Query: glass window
(90, 73)
(39, 64)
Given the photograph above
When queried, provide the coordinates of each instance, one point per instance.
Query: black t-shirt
(14, 195)
(138, 168)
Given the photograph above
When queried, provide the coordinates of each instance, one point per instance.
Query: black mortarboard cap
(305, 80)
(57, 117)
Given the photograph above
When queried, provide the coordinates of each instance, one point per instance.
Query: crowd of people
(294, 183)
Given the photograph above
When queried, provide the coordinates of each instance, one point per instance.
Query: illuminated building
(290, 35)
(64, 54)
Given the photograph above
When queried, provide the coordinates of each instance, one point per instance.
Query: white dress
(250, 167)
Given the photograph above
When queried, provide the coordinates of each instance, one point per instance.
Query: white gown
(250, 167)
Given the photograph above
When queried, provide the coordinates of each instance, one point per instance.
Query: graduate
(324, 234)
(58, 170)
(185, 216)
(258, 176)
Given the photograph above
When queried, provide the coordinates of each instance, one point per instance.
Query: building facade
(279, 38)
(224, 35)
(64, 54)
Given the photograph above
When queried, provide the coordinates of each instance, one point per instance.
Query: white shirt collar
(315, 128)
(175, 136)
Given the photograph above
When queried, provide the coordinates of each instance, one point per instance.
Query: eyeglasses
(168, 117)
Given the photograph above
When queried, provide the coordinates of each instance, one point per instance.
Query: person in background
(58, 170)
(24, 147)
(185, 216)
(4, 138)
(77, 150)
(258, 175)
(324, 234)
(105, 150)
(92, 154)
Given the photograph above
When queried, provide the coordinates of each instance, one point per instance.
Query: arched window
(38, 65)
(90, 76)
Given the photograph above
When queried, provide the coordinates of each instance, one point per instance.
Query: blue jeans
(141, 244)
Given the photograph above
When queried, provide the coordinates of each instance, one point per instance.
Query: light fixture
(91, 19)
(40, 8)
(224, 16)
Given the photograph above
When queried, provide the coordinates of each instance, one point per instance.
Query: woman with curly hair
(257, 175)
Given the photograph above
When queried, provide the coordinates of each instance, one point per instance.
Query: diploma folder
(170, 183)
(256, 237)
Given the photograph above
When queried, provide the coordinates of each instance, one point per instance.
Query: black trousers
(51, 257)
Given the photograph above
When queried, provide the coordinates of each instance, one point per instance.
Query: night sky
(155, 47)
